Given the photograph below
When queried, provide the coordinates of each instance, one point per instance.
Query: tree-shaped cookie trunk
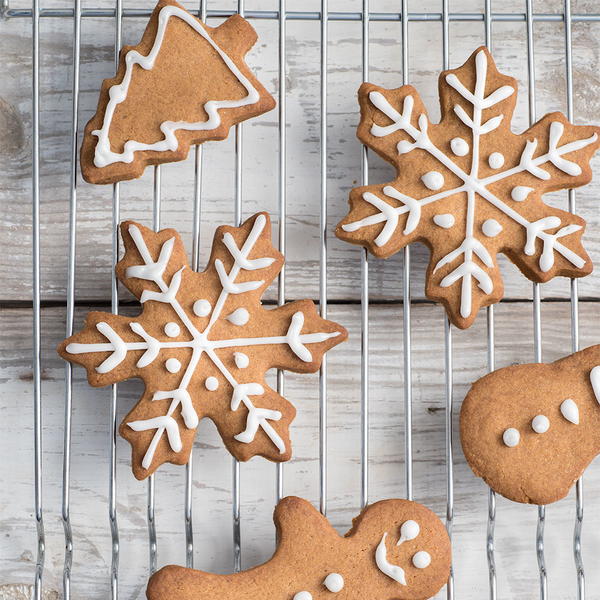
(396, 550)
(203, 344)
(469, 188)
(184, 83)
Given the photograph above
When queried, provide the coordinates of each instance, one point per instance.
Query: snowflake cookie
(396, 550)
(531, 430)
(202, 344)
(183, 84)
(468, 187)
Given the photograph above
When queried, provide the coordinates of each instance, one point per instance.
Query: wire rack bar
(16, 13)
(281, 245)
(66, 472)
(491, 365)
(323, 263)
(406, 336)
(364, 297)
(580, 572)
(37, 330)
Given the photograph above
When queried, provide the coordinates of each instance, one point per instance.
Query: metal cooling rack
(117, 14)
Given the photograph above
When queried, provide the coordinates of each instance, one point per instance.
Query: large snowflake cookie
(396, 550)
(531, 430)
(469, 188)
(202, 344)
(184, 83)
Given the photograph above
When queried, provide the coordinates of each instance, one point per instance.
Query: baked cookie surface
(202, 344)
(184, 83)
(396, 550)
(469, 188)
(531, 430)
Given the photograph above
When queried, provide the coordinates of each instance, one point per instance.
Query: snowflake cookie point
(192, 356)
(472, 175)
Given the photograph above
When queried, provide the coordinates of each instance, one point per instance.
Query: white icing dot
(459, 146)
(241, 360)
(491, 227)
(334, 582)
(511, 437)
(173, 365)
(172, 329)
(202, 308)
(433, 180)
(303, 596)
(211, 383)
(540, 424)
(409, 531)
(570, 411)
(446, 220)
(421, 559)
(496, 160)
(239, 317)
(520, 193)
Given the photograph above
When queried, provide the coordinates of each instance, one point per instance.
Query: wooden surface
(515, 534)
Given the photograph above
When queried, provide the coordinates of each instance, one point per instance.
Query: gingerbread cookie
(202, 344)
(183, 84)
(531, 430)
(396, 550)
(469, 188)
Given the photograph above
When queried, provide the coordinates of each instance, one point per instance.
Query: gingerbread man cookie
(531, 430)
(183, 84)
(202, 344)
(396, 550)
(469, 188)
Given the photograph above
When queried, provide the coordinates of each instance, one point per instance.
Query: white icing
(200, 344)
(202, 308)
(334, 582)
(173, 365)
(540, 423)
(491, 228)
(239, 317)
(595, 381)
(393, 571)
(570, 411)
(409, 531)
(520, 193)
(211, 383)
(459, 146)
(303, 596)
(496, 160)
(172, 329)
(104, 156)
(511, 437)
(446, 220)
(433, 180)
(241, 360)
(472, 184)
(421, 560)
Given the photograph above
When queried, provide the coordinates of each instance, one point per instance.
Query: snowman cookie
(531, 430)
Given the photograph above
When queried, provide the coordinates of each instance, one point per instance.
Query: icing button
(421, 559)
(511, 437)
(334, 582)
(540, 424)
(303, 596)
(433, 180)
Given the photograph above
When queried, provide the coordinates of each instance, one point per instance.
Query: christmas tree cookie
(396, 550)
(469, 188)
(183, 84)
(202, 344)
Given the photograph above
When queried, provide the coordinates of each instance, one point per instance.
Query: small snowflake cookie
(396, 550)
(183, 84)
(202, 344)
(469, 188)
(531, 430)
